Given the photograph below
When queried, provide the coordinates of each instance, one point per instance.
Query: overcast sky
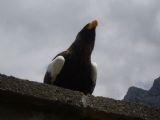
(127, 44)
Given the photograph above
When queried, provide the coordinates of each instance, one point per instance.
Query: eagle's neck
(82, 48)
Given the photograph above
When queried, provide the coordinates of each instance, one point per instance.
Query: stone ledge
(58, 103)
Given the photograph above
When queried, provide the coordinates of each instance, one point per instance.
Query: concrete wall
(26, 100)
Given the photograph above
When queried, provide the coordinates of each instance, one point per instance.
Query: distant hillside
(150, 97)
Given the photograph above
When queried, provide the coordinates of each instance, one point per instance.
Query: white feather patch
(55, 67)
(94, 72)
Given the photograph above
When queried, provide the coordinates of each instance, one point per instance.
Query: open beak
(93, 24)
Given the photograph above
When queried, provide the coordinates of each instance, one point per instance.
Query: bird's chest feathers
(77, 64)
(75, 67)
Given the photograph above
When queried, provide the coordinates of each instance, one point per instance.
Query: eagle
(73, 69)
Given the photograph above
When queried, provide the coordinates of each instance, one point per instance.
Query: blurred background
(127, 44)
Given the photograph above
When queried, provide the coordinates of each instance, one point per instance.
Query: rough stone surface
(150, 97)
(26, 100)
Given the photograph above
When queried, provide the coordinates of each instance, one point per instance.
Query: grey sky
(127, 48)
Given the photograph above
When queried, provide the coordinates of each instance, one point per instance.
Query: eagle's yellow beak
(93, 24)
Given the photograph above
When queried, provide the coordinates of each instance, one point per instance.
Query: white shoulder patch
(94, 72)
(55, 67)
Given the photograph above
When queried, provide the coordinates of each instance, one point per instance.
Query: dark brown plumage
(77, 71)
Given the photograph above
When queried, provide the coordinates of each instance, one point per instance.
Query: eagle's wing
(94, 72)
(54, 69)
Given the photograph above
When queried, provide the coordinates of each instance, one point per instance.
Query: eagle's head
(84, 42)
(88, 31)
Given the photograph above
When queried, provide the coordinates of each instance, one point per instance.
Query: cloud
(127, 41)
